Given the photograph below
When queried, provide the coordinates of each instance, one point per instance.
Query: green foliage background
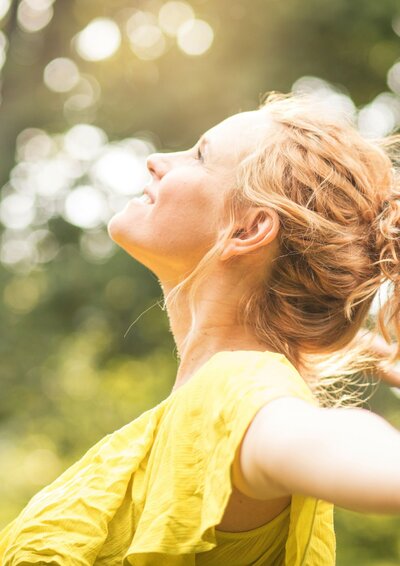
(70, 372)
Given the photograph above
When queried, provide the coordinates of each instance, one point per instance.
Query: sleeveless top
(153, 492)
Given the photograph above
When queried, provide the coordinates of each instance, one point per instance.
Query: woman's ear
(260, 226)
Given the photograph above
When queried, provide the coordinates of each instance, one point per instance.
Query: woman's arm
(350, 457)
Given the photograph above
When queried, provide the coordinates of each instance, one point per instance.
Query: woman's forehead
(239, 133)
(240, 123)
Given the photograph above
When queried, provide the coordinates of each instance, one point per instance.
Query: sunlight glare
(4, 7)
(85, 207)
(99, 40)
(195, 37)
(52, 176)
(33, 144)
(393, 78)
(120, 169)
(33, 18)
(173, 14)
(61, 75)
(147, 41)
(84, 141)
(3, 49)
(380, 117)
(17, 211)
(17, 250)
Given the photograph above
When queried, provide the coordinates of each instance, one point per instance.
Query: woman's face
(172, 234)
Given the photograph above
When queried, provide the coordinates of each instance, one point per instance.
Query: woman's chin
(122, 235)
(120, 231)
(114, 227)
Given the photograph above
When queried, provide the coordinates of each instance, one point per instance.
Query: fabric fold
(154, 491)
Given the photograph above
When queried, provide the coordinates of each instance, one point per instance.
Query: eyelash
(199, 155)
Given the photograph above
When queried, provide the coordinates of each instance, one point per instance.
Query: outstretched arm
(348, 456)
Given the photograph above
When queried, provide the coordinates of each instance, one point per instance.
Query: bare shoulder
(270, 434)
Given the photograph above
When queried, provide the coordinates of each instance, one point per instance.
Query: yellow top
(153, 491)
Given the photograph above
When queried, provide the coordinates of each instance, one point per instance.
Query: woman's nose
(156, 164)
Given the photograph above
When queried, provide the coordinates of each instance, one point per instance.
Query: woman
(270, 239)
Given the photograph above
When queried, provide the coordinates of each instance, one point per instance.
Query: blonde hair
(337, 196)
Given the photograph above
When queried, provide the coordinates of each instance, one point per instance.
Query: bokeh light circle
(33, 17)
(393, 78)
(99, 40)
(3, 49)
(378, 118)
(195, 37)
(4, 7)
(85, 207)
(61, 75)
(17, 211)
(84, 141)
(147, 41)
(173, 14)
(33, 144)
(120, 170)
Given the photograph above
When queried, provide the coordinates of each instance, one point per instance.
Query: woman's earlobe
(227, 252)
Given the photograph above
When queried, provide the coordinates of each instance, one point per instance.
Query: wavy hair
(337, 196)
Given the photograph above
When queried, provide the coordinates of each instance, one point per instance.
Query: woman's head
(293, 201)
(189, 190)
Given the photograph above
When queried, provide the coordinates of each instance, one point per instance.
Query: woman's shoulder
(216, 406)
